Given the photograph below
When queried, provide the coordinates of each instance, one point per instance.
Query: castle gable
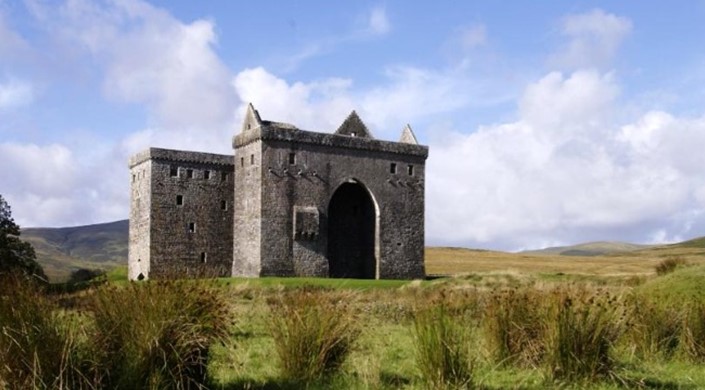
(252, 119)
(407, 136)
(354, 127)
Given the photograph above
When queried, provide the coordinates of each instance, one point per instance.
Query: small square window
(252, 159)
(189, 173)
(179, 200)
(223, 205)
(191, 227)
(410, 170)
(174, 171)
(206, 175)
(292, 158)
(393, 168)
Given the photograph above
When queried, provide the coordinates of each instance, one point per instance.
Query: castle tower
(321, 204)
(180, 215)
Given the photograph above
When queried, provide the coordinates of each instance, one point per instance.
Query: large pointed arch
(353, 232)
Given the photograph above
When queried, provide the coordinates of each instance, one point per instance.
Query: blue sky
(548, 122)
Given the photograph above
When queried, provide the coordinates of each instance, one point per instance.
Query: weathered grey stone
(303, 203)
(181, 218)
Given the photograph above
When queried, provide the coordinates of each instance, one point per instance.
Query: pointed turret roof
(252, 119)
(407, 136)
(354, 127)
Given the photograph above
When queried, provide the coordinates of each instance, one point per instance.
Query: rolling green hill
(598, 248)
(63, 250)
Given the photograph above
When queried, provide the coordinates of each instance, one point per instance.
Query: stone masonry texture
(289, 202)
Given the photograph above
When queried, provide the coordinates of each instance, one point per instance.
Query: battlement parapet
(180, 156)
(273, 132)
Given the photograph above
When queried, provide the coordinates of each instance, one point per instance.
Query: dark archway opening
(351, 233)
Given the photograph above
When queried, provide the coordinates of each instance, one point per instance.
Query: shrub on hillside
(313, 331)
(669, 265)
(157, 334)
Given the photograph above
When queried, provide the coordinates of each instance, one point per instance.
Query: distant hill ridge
(597, 248)
(63, 250)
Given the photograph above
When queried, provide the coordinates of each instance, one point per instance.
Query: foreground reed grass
(158, 334)
(313, 330)
(587, 325)
(146, 336)
(442, 344)
(39, 347)
(653, 329)
(515, 325)
(692, 340)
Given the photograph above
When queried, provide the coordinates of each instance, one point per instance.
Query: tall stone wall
(300, 171)
(190, 214)
(247, 220)
(140, 219)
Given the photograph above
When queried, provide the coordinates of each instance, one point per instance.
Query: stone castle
(289, 202)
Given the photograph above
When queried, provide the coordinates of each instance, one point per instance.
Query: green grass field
(645, 330)
(383, 356)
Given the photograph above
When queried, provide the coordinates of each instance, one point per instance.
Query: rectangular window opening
(179, 200)
(223, 176)
(410, 170)
(252, 159)
(292, 158)
(174, 171)
(189, 173)
(133, 178)
(206, 174)
(223, 205)
(242, 161)
(191, 227)
(393, 168)
(204, 257)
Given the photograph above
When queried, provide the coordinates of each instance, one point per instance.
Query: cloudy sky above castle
(548, 122)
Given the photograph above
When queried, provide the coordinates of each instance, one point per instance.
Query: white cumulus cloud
(565, 171)
(593, 39)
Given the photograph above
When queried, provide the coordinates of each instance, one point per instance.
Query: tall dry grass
(40, 346)
(157, 335)
(442, 348)
(314, 330)
(515, 325)
(586, 325)
(654, 329)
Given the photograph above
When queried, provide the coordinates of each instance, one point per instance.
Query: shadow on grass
(387, 381)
